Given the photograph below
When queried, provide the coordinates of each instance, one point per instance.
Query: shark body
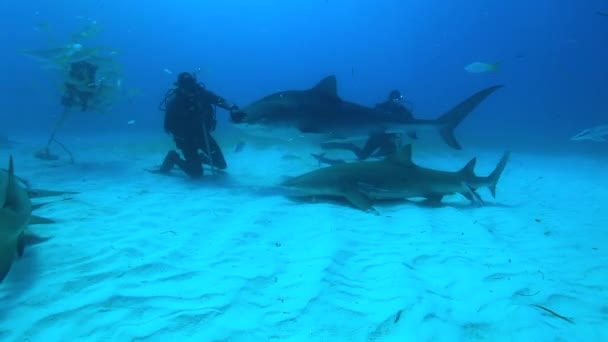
(319, 110)
(16, 215)
(396, 177)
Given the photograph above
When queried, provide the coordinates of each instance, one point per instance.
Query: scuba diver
(190, 117)
(378, 144)
(79, 88)
(394, 106)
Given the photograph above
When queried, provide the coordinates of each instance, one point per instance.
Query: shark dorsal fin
(469, 169)
(11, 186)
(327, 85)
(402, 156)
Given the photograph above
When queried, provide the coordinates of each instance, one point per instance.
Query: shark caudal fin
(450, 120)
(495, 175)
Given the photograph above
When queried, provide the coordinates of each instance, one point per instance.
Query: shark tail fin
(495, 175)
(450, 120)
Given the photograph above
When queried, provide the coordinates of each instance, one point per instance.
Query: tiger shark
(394, 178)
(320, 110)
(15, 215)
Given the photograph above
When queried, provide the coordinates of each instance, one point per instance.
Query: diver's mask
(186, 83)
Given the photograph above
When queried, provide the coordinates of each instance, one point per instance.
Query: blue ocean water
(552, 64)
(553, 55)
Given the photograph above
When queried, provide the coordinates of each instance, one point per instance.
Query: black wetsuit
(190, 117)
(80, 86)
(393, 108)
(380, 144)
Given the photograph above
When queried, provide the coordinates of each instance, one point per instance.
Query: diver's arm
(222, 102)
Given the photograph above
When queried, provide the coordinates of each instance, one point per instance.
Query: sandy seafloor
(138, 256)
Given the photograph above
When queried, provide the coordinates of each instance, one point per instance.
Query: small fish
(167, 71)
(603, 14)
(598, 134)
(131, 122)
(480, 67)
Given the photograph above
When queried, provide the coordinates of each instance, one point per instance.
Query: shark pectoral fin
(471, 194)
(40, 220)
(433, 200)
(7, 254)
(358, 200)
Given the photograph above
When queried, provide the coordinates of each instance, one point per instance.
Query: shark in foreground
(15, 215)
(320, 110)
(396, 177)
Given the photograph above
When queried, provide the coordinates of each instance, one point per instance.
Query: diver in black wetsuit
(393, 106)
(379, 144)
(190, 118)
(80, 86)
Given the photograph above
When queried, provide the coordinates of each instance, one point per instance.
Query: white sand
(138, 256)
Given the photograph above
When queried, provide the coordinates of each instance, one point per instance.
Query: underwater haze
(134, 255)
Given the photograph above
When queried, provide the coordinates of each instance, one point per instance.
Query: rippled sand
(137, 256)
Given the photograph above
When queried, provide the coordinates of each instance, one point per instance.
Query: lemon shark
(319, 110)
(396, 177)
(15, 215)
